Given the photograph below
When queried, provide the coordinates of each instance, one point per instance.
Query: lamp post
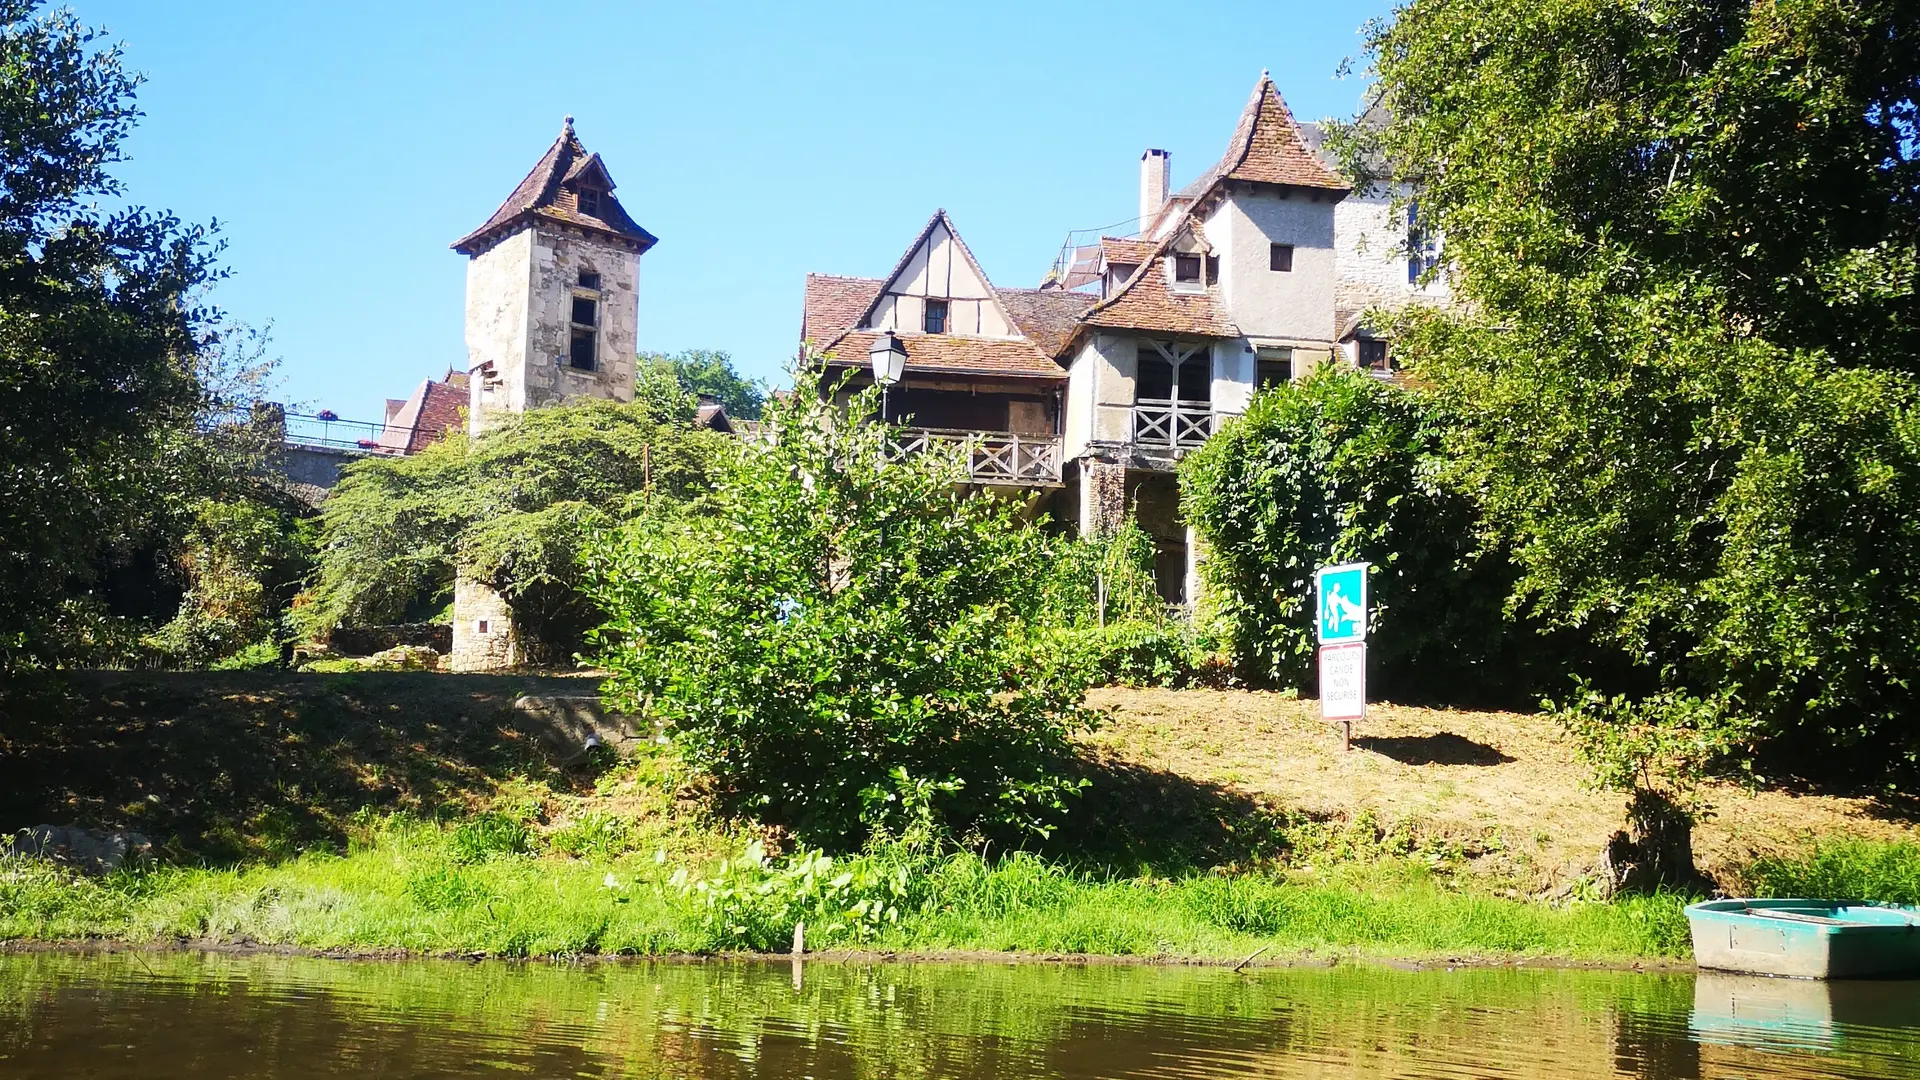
(889, 358)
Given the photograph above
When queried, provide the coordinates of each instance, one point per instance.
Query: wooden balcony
(1173, 427)
(992, 457)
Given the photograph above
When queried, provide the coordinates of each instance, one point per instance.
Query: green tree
(1687, 235)
(101, 336)
(840, 636)
(511, 508)
(710, 372)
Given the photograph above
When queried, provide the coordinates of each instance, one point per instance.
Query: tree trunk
(1656, 850)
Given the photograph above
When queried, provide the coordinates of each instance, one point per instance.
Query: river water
(197, 1015)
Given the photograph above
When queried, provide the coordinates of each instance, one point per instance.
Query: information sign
(1340, 597)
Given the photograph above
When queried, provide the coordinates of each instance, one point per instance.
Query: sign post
(1340, 621)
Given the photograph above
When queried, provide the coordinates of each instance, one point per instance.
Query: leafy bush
(1170, 653)
(243, 561)
(1095, 580)
(753, 903)
(838, 617)
(1342, 467)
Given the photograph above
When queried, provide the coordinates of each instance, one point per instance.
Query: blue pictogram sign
(1340, 594)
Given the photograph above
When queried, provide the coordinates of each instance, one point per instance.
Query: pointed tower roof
(551, 192)
(1268, 147)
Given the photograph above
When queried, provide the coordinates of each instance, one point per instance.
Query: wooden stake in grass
(1249, 959)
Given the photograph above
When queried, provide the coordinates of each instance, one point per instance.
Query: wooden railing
(992, 457)
(1178, 426)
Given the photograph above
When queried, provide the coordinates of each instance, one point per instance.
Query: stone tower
(552, 302)
(552, 281)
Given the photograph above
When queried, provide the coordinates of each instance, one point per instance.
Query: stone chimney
(1155, 167)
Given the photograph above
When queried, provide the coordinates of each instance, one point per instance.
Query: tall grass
(1844, 870)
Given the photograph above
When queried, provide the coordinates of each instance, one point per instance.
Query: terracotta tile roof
(834, 305)
(1148, 302)
(951, 354)
(547, 192)
(1046, 316)
(1268, 147)
(426, 417)
(1126, 252)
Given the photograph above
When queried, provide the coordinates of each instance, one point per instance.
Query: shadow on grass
(1444, 748)
(216, 767)
(1133, 819)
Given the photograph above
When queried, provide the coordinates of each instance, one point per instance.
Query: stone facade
(1370, 234)
(553, 281)
(521, 297)
(483, 634)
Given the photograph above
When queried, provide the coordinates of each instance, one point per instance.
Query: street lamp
(889, 359)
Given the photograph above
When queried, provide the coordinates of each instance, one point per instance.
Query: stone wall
(367, 640)
(520, 296)
(483, 637)
(558, 260)
(1103, 497)
(1371, 255)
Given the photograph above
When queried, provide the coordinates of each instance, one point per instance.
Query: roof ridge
(843, 277)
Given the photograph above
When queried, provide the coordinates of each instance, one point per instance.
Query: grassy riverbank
(411, 890)
(374, 814)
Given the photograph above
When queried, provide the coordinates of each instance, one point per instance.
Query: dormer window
(936, 320)
(589, 201)
(1186, 269)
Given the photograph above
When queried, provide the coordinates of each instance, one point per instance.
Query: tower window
(580, 353)
(586, 311)
(936, 321)
(1280, 257)
(589, 280)
(589, 200)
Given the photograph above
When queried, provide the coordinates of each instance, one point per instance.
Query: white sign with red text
(1343, 681)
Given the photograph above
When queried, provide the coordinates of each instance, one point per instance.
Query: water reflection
(1800, 1014)
(221, 1016)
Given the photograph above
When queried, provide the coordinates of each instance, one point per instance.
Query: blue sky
(342, 146)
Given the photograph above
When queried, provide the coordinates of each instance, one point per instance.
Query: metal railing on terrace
(327, 430)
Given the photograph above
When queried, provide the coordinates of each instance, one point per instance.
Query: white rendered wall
(939, 269)
(496, 330)
(1232, 375)
(1294, 305)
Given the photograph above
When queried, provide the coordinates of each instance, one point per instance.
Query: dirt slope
(1504, 783)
